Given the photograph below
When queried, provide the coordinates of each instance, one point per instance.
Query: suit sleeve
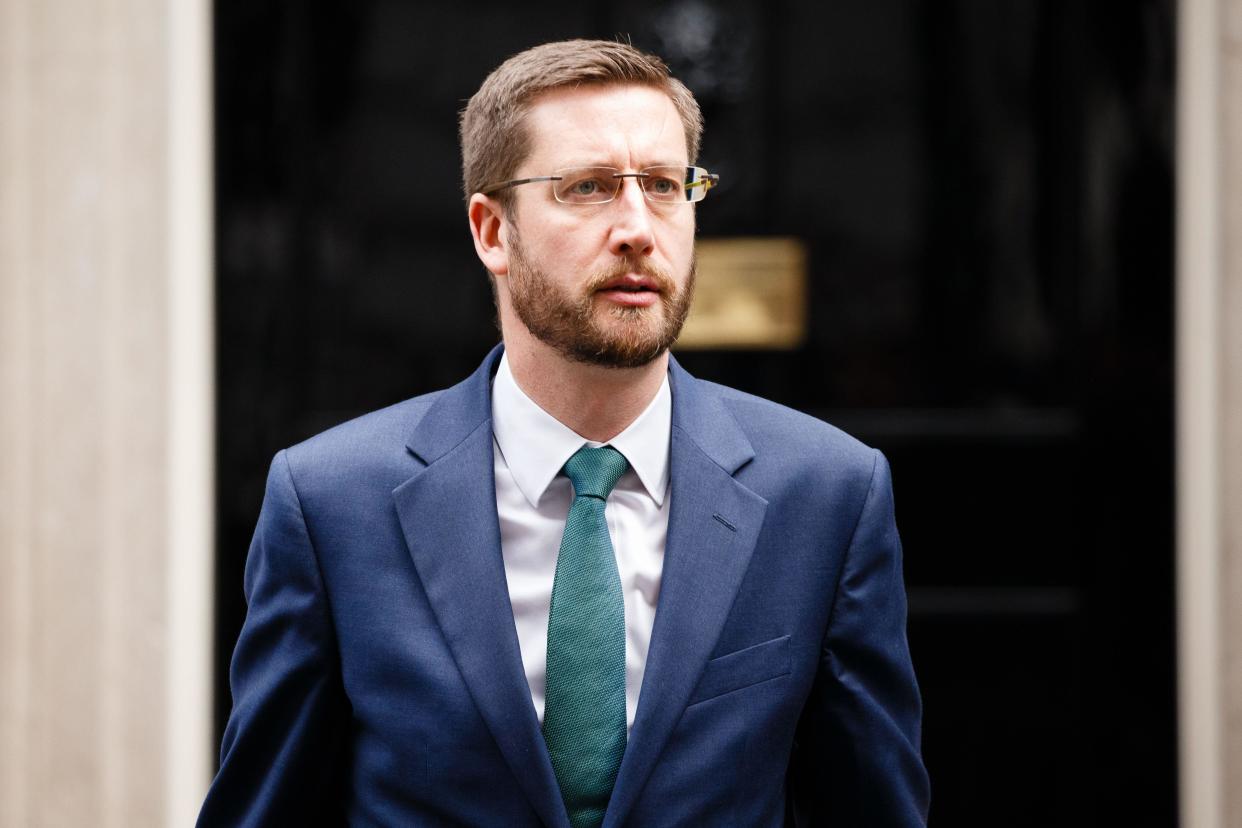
(279, 758)
(857, 757)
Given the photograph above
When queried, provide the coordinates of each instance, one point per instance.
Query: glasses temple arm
(504, 185)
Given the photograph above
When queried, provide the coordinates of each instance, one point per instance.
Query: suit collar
(699, 412)
(456, 413)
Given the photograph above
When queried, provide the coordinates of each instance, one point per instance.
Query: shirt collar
(536, 445)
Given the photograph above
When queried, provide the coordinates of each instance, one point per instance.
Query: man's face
(608, 284)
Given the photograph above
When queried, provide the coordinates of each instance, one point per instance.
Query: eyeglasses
(600, 185)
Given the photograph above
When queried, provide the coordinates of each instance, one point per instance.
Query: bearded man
(581, 587)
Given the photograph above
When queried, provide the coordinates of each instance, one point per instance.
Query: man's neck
(596, 402)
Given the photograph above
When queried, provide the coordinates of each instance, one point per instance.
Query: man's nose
(631, 221)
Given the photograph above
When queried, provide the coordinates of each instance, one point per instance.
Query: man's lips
(631, 290)
(631, 282)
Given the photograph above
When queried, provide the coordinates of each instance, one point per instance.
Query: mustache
(663, 281)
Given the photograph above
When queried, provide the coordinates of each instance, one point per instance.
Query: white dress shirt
(533, 499)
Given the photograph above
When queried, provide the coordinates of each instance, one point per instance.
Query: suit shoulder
(362, 441)
(773, 427)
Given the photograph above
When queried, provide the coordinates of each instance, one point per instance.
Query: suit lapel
(448, 515)
(714, 522)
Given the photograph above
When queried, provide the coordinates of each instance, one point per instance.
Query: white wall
(105, 412)
(1209, 411)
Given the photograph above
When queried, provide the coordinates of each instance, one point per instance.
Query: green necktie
(584, 713)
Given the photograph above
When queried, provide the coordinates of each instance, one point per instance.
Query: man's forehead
(595, 123)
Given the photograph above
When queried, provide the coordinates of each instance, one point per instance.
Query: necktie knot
(594, 471)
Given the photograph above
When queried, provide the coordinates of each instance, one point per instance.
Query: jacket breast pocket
(743, 668)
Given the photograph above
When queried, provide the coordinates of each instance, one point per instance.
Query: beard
(617, 337)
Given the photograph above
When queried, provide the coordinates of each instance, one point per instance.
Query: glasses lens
(665, 184)
(675, 184)
(586, 185)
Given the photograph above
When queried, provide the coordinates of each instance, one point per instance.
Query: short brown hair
(494, 139)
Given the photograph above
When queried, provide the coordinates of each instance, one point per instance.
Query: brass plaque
(750, 293)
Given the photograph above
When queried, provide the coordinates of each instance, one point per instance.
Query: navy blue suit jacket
(377, 679)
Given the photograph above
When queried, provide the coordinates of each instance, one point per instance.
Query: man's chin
(614, 351)
(618, 361)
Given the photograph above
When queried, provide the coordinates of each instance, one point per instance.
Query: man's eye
(588, 186)
(662, 186)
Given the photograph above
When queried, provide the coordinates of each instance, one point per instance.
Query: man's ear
(486, 226)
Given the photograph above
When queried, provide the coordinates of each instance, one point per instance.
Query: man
(581, 587)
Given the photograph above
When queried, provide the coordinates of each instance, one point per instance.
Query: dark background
(985, 191)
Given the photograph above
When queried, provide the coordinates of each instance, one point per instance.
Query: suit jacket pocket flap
(743, 668)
